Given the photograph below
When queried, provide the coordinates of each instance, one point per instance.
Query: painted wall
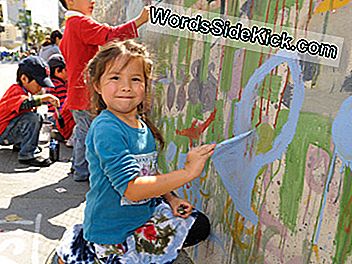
(283, 192)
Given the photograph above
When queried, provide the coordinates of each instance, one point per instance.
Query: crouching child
(19, 123)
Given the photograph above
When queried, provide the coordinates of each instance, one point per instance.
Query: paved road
(36, 204)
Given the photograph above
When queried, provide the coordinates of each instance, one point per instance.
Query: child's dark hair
(63, 2)
(55, 34)
(108, 54)
(20, 72)
(52, 70)
(56, 61)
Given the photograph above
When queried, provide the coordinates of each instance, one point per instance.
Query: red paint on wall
(195, 131)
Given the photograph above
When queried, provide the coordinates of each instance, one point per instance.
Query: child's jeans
(24, 131)
(80, 165)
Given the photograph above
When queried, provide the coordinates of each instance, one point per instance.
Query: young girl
(132, 215)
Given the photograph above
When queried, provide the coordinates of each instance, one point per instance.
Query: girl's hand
(177, 203)
(143, 17)
(196, 159)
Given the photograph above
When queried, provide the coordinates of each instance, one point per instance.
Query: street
(36, 204)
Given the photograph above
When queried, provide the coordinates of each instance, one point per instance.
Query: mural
(279, 186)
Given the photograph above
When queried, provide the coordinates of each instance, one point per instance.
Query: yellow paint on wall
(329, 5)
(316, 251)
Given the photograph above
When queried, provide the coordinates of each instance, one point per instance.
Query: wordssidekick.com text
(219, 27)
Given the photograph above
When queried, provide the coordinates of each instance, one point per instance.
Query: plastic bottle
(54, 150)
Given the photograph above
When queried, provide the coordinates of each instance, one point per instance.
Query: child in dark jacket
(19, 123)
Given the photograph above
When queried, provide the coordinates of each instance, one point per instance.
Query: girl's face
(123, 89)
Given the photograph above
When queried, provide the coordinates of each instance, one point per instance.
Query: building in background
(3, 11)
(18, 18)
(10, 35)
(44, 13)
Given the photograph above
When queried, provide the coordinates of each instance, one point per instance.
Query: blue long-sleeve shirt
(116, 154)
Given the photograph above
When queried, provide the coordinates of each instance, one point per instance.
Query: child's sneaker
(17, 148)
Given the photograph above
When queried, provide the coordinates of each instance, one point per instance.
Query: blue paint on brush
(237, 164)
(228, 143)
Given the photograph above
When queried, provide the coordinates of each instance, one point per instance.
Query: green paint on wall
(205, 62)
(343, 236)
(259, 10)
(274, 16)
(227, 67)
(164, 54)
(311, 129)
(181, 141)
(275, 87)
(275, 12)
(188, 56)
(170, 130)
(265, 134)
(184, 56)
(162, 165)
(292, 3)
(232, 117)
(156, 113)
(189, 3)
(250, 65)
(193, 112)
(182, 51)
(232, 8)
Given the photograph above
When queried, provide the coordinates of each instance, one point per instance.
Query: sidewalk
(36, 205)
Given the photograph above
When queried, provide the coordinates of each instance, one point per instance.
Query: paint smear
(341, 135)
(331, 173)
(342, 131)
(329, 5)
(236, 164)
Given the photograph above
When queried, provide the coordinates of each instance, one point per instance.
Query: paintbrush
(234, 139)
(60, 119)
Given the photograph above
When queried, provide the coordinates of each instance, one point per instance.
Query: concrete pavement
(36, 204)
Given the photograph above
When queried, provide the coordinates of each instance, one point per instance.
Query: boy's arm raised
(143, 17)
(94, 33)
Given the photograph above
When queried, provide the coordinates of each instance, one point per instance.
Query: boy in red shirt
(80, 42)
(19, 124)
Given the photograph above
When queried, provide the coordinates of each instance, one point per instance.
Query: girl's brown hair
(103, 59)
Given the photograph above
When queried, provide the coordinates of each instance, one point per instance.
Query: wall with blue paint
(282, 193)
